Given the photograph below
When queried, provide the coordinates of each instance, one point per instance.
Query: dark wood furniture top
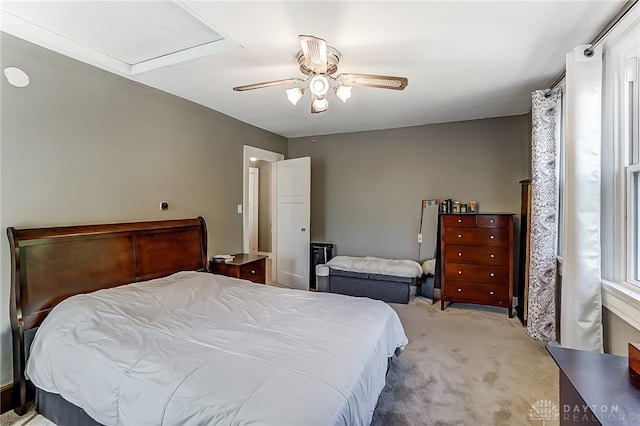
(246, 266)
(595, 388)
(477, 259)
(49, 265)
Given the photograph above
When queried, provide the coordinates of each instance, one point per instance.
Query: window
(630, 138)
(620, 175)
(620, 191)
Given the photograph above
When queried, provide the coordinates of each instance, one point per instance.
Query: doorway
(265, 213)
(253, 210)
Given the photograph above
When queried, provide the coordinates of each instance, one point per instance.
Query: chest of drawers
(477, 259)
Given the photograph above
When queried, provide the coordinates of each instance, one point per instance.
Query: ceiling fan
(320, 62)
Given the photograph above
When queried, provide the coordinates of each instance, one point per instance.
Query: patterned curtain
(546, 117)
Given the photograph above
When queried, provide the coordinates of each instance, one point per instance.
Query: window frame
(619, 295)
(632, 275)
(620, 154)
(631, 150)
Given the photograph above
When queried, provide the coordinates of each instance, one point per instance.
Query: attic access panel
(140, 35)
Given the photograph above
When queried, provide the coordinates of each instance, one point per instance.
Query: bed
(131, 329)
(389, 280)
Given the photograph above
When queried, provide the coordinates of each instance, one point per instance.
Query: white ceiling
(464, 60)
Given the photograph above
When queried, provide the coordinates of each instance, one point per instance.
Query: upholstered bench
(388, 280)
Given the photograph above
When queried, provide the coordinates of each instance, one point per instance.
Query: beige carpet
(467, 365)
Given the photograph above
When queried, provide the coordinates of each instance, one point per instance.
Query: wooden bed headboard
(49, 265)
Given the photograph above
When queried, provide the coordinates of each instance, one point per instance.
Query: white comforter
(196, 348)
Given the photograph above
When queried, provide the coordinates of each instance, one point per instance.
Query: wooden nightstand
(245, 266)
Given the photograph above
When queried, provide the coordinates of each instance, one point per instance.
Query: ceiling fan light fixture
(295, 94)
(319, 85)
(319, 104)
(343, 93)
(319, 63)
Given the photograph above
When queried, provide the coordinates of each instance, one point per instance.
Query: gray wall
(81, 145)
(617, 334)
(366, 187)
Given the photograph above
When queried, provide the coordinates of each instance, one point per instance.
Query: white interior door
(293, 213)
(254, 182)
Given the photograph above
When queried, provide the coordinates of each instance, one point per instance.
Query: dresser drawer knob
(491, 292)
(459, 272)
(459, 220)
(459, 235)
(491, 221)
(253, 272)
(492, 237)
(459, 254)
(460, 290)
(492, 274)
(492, 255)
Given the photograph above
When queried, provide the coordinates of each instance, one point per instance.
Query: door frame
(272, 157)
(253, 208)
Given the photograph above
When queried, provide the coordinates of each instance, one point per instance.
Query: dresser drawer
(477, 293)
(254, 271)
(459, 221)
(478, 273)
(492, 221)
(477, 255)
(477, 237)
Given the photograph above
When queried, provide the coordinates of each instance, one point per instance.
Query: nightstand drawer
(497, 295)
(477, 237)
(478, 273)
(477, 255)
(254, 271)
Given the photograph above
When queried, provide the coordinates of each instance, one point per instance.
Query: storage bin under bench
(377, 278)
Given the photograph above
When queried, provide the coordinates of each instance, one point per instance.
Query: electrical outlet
(420, 238)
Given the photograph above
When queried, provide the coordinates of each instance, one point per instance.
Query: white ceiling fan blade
(267, 84)
(315, 53)
(370, 80)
